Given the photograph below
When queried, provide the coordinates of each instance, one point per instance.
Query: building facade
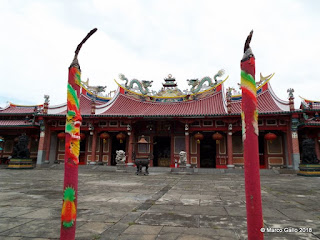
(205, 122)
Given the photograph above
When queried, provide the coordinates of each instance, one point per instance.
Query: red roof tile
(309, 104)
(267, 103)
(18, 109)
(14, 123)
(124, 105)
(85, 106)
(312, 123)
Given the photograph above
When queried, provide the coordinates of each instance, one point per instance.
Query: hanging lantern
(217, 136)
(270, 137)
(82, 136)
(120, 136)
(61, 135)
(198, 136)
(104, 136)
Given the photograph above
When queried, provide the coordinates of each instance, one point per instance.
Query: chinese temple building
(204, 121)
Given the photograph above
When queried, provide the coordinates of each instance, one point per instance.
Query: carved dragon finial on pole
(250, 133)
(72, 148)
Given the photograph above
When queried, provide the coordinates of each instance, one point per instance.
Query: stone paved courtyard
(160, 206)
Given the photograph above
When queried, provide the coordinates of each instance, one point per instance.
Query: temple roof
(85, 106)
(268, 102)
(129, 106)
(17, 123)
(309, 104)
(20, 109)
(61, 109)
(126, 103)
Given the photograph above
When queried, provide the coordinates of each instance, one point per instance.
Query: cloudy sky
(148, 39)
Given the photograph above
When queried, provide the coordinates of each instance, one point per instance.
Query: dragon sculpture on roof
(142, 85)
(198, 85)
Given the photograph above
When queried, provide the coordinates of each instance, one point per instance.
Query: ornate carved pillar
(41, 146)
(230, 147)
(295, 142)
(187, 144)
(289, 144)
(93, 148)
(48, 142)
(130, 146)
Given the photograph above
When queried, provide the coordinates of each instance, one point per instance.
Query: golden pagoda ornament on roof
(169, 88)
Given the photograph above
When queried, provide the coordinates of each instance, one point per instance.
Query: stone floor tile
(142, 229)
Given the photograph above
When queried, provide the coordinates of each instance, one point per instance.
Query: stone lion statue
(183, 158)
(308, 155)
(121, 157)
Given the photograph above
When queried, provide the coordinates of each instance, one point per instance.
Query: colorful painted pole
(250, 134)
(72, 148)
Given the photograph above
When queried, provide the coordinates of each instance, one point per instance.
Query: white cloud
(150, 39)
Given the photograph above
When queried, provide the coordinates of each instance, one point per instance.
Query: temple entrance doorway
(116, 145)
(261, 151)
(82, 153)
(161, 151)
(208, 152)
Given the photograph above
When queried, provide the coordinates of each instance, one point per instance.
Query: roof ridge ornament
(198, 85)
(143, 85)
(264, 80)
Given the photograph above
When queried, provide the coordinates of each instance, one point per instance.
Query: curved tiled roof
(16, 123)
(19, 109)
(122, 104)
(309, 104)
(268, 102)
(128, 106)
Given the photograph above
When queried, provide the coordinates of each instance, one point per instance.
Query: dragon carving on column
(197, 85)
(142, 85)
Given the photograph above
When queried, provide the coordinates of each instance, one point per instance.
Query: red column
(187, 144)
(130, 148)
(289, 143)
(48, 141)
(93, 148)
(41, 144)
(72, 147)
(109, 151)
(295, 143)
(230, 150)
(250, 133)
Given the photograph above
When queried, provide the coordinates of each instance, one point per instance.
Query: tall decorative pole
(72, 148)
(250, 134)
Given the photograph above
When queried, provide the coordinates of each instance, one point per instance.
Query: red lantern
(61, 135)
(198, 136)
(82, 136)
(217, 136)
(121, 137)
(270, 137)
(104, 135)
